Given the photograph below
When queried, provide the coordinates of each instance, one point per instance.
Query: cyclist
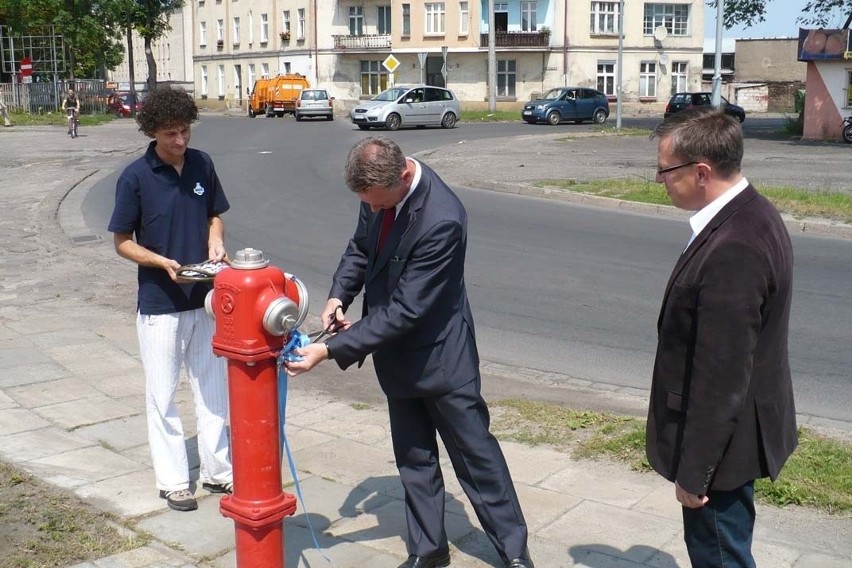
(71, 106)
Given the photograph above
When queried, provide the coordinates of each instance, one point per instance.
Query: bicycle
(73, 122)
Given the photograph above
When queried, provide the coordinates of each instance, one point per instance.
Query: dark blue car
(574, 104)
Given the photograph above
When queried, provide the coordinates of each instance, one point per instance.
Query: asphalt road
(558, 287)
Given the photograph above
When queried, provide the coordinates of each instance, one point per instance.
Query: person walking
(408, 254)
(3, 110)
(170, 200)
(721, 410)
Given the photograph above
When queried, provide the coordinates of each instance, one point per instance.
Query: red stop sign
(26, 67)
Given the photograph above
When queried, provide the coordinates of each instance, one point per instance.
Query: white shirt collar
(415, 180)
(701, 218)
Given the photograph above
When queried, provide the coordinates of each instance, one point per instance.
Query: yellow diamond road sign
(390, 63)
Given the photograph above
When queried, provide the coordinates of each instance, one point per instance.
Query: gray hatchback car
(314, 102)
(408, 105)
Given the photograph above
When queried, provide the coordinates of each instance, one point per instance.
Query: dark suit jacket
(417, 321)
(721, 411)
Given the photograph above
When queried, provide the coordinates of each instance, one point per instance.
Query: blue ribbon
(297, 340)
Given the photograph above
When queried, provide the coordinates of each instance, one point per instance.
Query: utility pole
(492, 60)
(618, 76)
(716, 93)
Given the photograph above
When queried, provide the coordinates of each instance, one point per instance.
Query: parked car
(408, 105)
(314, 102)
(567, 104)
(119, 103)
(680, 101)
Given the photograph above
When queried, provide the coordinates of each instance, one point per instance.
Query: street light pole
(492, 60)
(716, 93)
(618, 76)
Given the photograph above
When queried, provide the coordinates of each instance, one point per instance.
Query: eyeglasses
(661, 171)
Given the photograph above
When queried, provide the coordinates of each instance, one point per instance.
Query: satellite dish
(664, 59)
(661, 33)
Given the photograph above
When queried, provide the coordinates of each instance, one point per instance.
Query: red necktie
(388, 217)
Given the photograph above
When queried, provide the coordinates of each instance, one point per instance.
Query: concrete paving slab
(345, 461)
(80, 467)
(815, 560)
(86, 411)
(125, 496)
(531, 465)
(107, 360)
(35, 444)
(13, 420)
(330, 502)
(38, 373)
(202, 533)
(20, 357)
(600, 481)
(660, 501)
(365, 433)
(119, 434)
(611, 530)
(334, 410)
(7, 401)
(52, 392)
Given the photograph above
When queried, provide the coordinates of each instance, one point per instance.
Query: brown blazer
(721, 412)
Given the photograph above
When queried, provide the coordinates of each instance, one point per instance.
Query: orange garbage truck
(276, 96)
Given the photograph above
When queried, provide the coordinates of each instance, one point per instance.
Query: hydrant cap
(249, 259)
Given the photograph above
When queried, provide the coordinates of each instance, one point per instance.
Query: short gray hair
(374, 161)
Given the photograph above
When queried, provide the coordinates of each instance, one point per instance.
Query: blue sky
(780, 21)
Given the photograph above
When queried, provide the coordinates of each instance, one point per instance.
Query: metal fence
(40, 98)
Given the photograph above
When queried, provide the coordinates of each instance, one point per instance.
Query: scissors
(315, 337)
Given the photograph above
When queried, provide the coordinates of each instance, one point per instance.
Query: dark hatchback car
(680, 101)
(567, 104)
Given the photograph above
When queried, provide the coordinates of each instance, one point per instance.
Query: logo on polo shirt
(198, 190)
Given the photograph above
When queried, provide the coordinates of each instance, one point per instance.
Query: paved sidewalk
(72, 400)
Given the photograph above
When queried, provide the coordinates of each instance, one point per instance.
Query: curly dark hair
(166, 107)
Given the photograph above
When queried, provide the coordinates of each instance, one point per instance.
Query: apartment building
(539, 44)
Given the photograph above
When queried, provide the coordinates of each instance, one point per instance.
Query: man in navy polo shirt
(167, 207)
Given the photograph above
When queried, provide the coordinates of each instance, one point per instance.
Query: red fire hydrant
(256, 306)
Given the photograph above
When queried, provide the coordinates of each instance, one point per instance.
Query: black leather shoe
(438, 560)
(521, 562)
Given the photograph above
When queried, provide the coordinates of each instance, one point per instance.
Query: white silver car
(408, 105)
(314, 102)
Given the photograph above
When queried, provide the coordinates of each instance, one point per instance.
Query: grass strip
(798, 203)
(56, 119)
(42, 526)
(817, 475)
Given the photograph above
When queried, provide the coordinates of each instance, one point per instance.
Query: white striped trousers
(167, 342)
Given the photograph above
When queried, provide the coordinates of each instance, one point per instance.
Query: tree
(814, 12)
(151, 20)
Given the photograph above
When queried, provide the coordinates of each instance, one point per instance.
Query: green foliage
(488, 116)
(749, 12)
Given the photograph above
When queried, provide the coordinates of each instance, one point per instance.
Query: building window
(679, 76)
(356, 20)
(264, 28)
(220, 31)
(606, 77)
(501, 16)
(286, 22)
(604, 18)
(647, 79)
(528, 17)
(374, 78)
(252, 76)
(221, 80)
(434, 17)
(406, 20)
(383, 20)
(202, 34)
(287, 67)
(673, 17)
(264, 70)
(848, 89)
(300, 31)
(204, 80)
(464, 18)
(236, 31)
(506, 77)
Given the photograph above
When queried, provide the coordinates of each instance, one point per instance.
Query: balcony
(362, 41)
(516, 39)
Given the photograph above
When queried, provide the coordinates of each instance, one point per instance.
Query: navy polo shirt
(169, 215)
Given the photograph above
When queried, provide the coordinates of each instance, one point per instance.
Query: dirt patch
(43, 526)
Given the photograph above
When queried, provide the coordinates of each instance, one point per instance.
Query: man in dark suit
(408, 255)
(721, 412)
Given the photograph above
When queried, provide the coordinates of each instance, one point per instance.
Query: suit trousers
(719, 534)
(166, 343)
(461, 417)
